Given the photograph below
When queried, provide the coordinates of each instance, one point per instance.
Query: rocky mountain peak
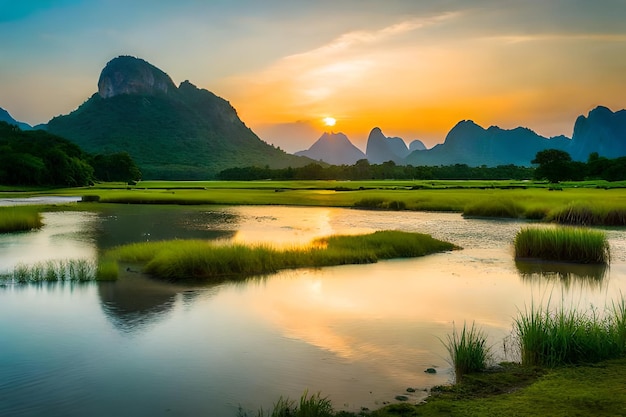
(130, 75)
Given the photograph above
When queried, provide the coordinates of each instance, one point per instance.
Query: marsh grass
(308, 406)
(468, 350)
(568, 336)
(203, 260)
(498, 207)
(563, 244)
(586, 214)
(75, 270)
(19, 219)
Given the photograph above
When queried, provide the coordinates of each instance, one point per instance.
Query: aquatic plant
(553, 338)
(494, 207)
(203, 260)
(308, 406)
(80, 270)
(585, 214)
(568, 244)
(19, 218)
(468, 350)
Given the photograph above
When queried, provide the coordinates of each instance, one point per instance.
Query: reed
(468, 350)
(586, 214)
(203, 260)
(75, 270)
(560, 337)
(19, 219)
(308, 406)
(498, 207)
(567, 244)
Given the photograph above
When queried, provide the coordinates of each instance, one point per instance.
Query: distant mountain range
(6, 117)
(189, 133)
(171, 132)
(602, 131)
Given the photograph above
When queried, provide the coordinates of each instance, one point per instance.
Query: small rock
(410, 389)
(402, 398)
(431, 371)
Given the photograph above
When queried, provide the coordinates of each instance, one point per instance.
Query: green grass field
(583, 203)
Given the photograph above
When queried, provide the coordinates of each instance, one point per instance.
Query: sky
(413, 68)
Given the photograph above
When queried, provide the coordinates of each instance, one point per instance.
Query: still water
(359, 334)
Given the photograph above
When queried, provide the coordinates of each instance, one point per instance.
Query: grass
(308, 406)
(183, 260)
(522, 391)
(19, 219)
(568, 244)
(514, 199)
(561, 337)
(75, 270)
(468, 351)
(585, 213)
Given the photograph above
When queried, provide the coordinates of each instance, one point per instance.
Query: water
(360, 334)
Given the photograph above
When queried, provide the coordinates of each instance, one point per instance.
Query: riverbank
(512, 390)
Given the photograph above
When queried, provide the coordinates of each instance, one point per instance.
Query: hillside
(335, 149)
(171, 132)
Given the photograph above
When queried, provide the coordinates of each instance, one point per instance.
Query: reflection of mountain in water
(585, 275)
(135, 223)
(135, 302)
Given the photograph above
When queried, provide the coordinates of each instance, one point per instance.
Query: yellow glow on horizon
(330, 121)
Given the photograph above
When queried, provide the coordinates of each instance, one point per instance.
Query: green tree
(554, 165)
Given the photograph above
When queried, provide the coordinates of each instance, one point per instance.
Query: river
(359, 334)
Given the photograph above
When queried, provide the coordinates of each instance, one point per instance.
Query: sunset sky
(414, 68)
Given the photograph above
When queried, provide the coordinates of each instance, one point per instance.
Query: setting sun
(330, 121)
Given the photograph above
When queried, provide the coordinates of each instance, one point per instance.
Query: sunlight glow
(330, 121)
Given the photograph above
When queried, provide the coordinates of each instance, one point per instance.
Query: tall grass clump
(308, 406)
(585, 214)
(568, 244)
(203, 260)
(497, 207)
(75, 270)
(19, 219)
(468, 350)
(561, 337)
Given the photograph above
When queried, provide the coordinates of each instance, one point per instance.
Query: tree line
(364, 170)
(38, 158)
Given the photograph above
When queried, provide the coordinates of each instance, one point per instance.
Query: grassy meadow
(583, 203)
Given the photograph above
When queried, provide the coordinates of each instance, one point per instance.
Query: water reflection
(567, 274)
(135, 302)
(119, 225)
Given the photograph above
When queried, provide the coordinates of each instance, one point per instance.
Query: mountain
(6, 117)
(382, 149)
(171, 132)
(469, 143)
(417, 145)
(335, 149)
(601, 131)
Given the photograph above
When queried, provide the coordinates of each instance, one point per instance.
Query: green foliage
(588, 214)
(554, 165)
(560, 337)
(181, 260)
(506, 208)
(188, 133)
(468, 350)
(20, 218)
(115, 167)
(39, 158)
(562, 244)
(308, 406)
(75, 270)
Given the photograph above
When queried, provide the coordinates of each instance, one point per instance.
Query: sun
(330, 121)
